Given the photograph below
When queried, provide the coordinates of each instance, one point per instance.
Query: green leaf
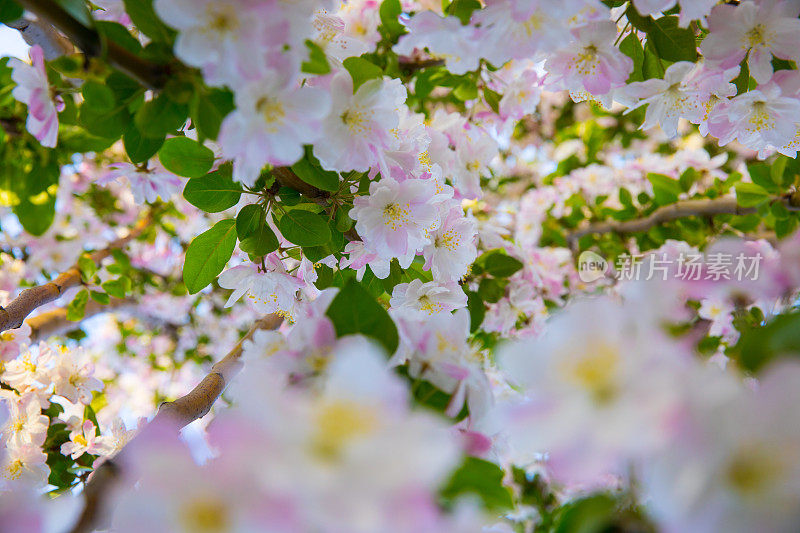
(144, 18)
(76, 309)
(160, 116)
(483, 479)
(361, 70)
(87, 267)
(317, 62)
(186, 157)
(79, 11)
(390, 12)
(261, 242)
(138, 147)
(477, 311)
(110, 124)
(750, 194)
(466, 90)
(762, 175)
(593, 514)
(100, 297)
(9, 11)
(36, 213)
(316, 176)
(213, 192)
(742, 81)
(672, 42)
(118, 288)
(462, 9)
(304, 228)
(208, 110)
(491, 291)
(249, 219)
(97, 96)
(665, 189)
(207, 255)
(498, 263)
(651, 67)
(492, 98)
(117, 33)
(632, 47)
(778, 169)
(343, 221)
(354, 311)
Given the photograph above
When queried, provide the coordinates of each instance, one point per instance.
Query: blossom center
(449, 239)
(395, 215)
(80, 440)
(206, 516)
(751, 471)
(595, 372)
(271, 109)
(220, 19)
(338, 423)
(756, 36)
(429, 306)
(760, 118)
(355, 120)
(14, 470)
(534, 24)
(586, 60)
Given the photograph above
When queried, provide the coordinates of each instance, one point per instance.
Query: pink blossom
(418, 300)
(590, 61)
(147, 185)
(451, 250)
(270, 291)
(359, 127)
(273, 119)
(86, 440)
(395, 218)
(761, 29)
(33, 90)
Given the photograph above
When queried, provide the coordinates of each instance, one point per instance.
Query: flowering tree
(400, 265)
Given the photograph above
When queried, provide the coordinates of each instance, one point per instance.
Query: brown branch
(681, 209)
(28, 300)
(35, 32)
(178, 413)
(149, 74)
(55, 322)
(410, 64)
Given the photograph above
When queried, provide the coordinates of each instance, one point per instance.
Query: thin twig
(681, 209)
(28, 300)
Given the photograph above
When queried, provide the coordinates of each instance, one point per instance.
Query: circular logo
(591, 267)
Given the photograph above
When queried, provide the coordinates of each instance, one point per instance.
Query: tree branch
(55, 322)
(15, 313)
(152, 75)
(35, 32)
(681, 209)
(178, 413)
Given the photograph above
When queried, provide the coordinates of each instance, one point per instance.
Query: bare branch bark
(55, 322)
(149, 74)
(681, 209)
(36, 32)
(178, 413)
(23, 305)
